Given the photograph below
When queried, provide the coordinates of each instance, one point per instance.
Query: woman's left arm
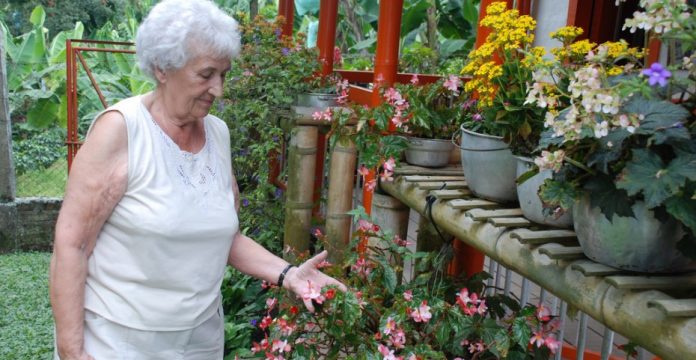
(247, 256)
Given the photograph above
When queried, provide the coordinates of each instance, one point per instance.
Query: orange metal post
(326, 40)
(386, 62)
(71, 140)
(286, 9)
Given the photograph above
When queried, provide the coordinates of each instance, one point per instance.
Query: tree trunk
(353, 22)
(432, 18)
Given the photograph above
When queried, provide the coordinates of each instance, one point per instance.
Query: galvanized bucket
(641, 243)
(317, 100)
(432, 153)
(528, 196)
(489, 166)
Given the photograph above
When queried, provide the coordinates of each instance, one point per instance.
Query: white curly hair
(176, 31)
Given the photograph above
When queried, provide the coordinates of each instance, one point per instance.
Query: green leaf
(646, 174)
(38, 15)
(502, 343)
(602, 157)
(607, 197)
(413, 16)
(43, 112)
(558, 193)
(683, 208)
(364, 44)
(521, 332)
(470, 12)
(389, 277)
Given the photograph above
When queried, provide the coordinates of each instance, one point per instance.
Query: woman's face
(189, 92)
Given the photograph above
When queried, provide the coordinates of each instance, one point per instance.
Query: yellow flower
(566, 34)
(581, 48)
(615, 70)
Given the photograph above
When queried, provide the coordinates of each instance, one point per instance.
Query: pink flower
(552, 343)
(476, 347)
(312, 293)
(318, 233)
(265, 322)
(452, 83)
(482, 308)
(386, 176)
(247, 73)
(390, 164)
(371, 185)
(414, 79)
(408, 295)
(389, 326)
(400, 242)
(257, 347)
(364, 225)
(317, 115)
(337, 58)
(363, 171)
(388, 354)
(543, 313)
(537, 338)
(422, 313)
(286, 328)
(280, 346)
(271, 303)
(398, 339)
(463, 298)
(362, 267)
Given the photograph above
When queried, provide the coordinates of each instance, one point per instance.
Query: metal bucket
(489, 166)
(528, 196)
(432, 153)
(317, 100)
(641, 243)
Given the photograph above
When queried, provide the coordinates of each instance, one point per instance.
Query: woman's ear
(160, 75)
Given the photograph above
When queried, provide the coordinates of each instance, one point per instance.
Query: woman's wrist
(283, 275)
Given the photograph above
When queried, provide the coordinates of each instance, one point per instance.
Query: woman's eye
(206, 75)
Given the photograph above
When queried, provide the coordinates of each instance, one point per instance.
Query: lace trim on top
(196, 172)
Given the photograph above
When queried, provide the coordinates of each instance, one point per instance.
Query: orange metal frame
(73, 53)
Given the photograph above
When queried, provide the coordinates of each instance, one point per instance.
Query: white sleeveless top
(159, 260)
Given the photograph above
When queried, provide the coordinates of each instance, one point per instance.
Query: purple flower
(253, 322)
(278, 193)
(657, 74)
(245, 202)
(285, 51)
(278, 32)
(477, 117)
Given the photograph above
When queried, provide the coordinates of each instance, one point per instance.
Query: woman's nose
(216, 88)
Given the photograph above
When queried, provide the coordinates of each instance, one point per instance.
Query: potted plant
(383, 317)
(428, 115)
(499, 122)
(624, 149)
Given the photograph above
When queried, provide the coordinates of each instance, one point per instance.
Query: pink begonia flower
(389, 326)
(379, 79)
(543, 313)
(390, 164)
(422, 313)
(463, 298)
(270, 356)
(363, 171)
(247, 73)
(364, 225)
(398, 338)
(286, 328)
(256, 347)
(312, 293)
(265, 322)
(452, 83)
(476, 347)
(552, 343)
(386, 176)
(537, 338)
(281, 346)
(371, 185)
(394, 97)
(271, 303)
(414, 79)
(482, 308)
(318, 233)
(361, 267)
(317, 115)
(408, 295)
(388, 354)
(412, 357)
(400, 242)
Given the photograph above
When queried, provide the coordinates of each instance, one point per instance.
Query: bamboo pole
(302, 153)
(340, 198)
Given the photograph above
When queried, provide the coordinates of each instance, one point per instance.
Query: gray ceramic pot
(432, 153)
(489, 166)
(528, 196)
(642, 244)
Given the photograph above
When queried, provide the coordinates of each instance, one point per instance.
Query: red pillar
(482, 32)
(286, 9)
(326, 40)
(386, 62)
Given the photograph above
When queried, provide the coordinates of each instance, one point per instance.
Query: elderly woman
(149, 219)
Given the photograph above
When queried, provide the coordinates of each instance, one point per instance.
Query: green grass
(26, 322)
(45, 182)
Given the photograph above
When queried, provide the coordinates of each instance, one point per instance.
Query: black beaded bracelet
(281, 277)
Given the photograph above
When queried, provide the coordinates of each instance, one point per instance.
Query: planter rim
(524, 158)
(318, 93)
(481, 134)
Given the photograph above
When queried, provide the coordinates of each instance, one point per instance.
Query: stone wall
(28, 224)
